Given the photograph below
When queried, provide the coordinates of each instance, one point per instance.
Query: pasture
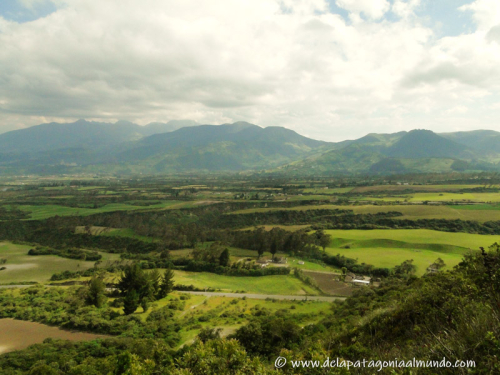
(402, 188)
(388, 248)
(481, 213)
(40, 212)
(22, 267)
(276, 284)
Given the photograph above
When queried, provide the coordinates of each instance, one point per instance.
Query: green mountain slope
(184, 146)
(230, 147)
(426, 144)
(484, 142)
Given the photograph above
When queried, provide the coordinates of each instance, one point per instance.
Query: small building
(361, 282)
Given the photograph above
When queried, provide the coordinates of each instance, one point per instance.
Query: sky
(330, 70)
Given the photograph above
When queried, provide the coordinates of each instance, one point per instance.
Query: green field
(434, 197)
(397, 188)
(46, 211)
(418, 236)
(280, 284)
(238, 254)
(22, 267)
(391, 257)
(480, 212)
(388, 248)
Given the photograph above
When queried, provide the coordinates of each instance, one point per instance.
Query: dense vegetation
(446, 314)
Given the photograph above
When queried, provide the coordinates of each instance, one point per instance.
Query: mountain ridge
(185, 146)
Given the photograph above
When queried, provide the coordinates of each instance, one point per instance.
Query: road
(236, 295)
(270, 296)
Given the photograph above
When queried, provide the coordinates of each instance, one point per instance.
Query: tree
(224, 258)
(130, 302)
(96, 292)
(136, 282)
(405, 268)
(260, 251)
(207, 334)
(323, 239)
(167, 284)
(437, 265)
(155, 278)
(274, 248)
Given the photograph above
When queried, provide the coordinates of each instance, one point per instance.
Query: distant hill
(80, 134)
(417, 151)
(161, 127)
(229, 147)
(184, 146)
(483, 142)
(426, 144)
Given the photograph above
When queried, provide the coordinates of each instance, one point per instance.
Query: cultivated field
(22, 267)
(18, 334)
(279, 284)
(46, 211)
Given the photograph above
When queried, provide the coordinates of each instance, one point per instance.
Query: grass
(419, 236)
(388, 248)
(23, 267)
(391, 257)
(230, 313)
(368, 189)
(328, 191)
(45, 211)
(435, 197)
(280, 284)
(480, 213)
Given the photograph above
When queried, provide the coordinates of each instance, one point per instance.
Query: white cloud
(374, 9)
(272, 62)
(405, 8)
(486, 13)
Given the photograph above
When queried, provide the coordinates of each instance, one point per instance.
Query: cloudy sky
(330, 70)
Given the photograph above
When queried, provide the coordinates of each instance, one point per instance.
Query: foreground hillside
(451, 315)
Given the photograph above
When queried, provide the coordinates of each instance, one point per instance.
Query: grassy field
(328, 191)
(23, 267)
(399, 188)
(434, 197)
(388, 248)
(46, 211)
(479, 213)
(280, 284)
(418, 236)
(391, 257)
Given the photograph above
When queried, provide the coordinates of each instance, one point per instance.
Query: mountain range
(185, 146)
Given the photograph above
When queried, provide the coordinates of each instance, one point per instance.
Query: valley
(239, 255)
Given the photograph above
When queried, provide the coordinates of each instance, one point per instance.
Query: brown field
(329, 285)
(19, 334)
